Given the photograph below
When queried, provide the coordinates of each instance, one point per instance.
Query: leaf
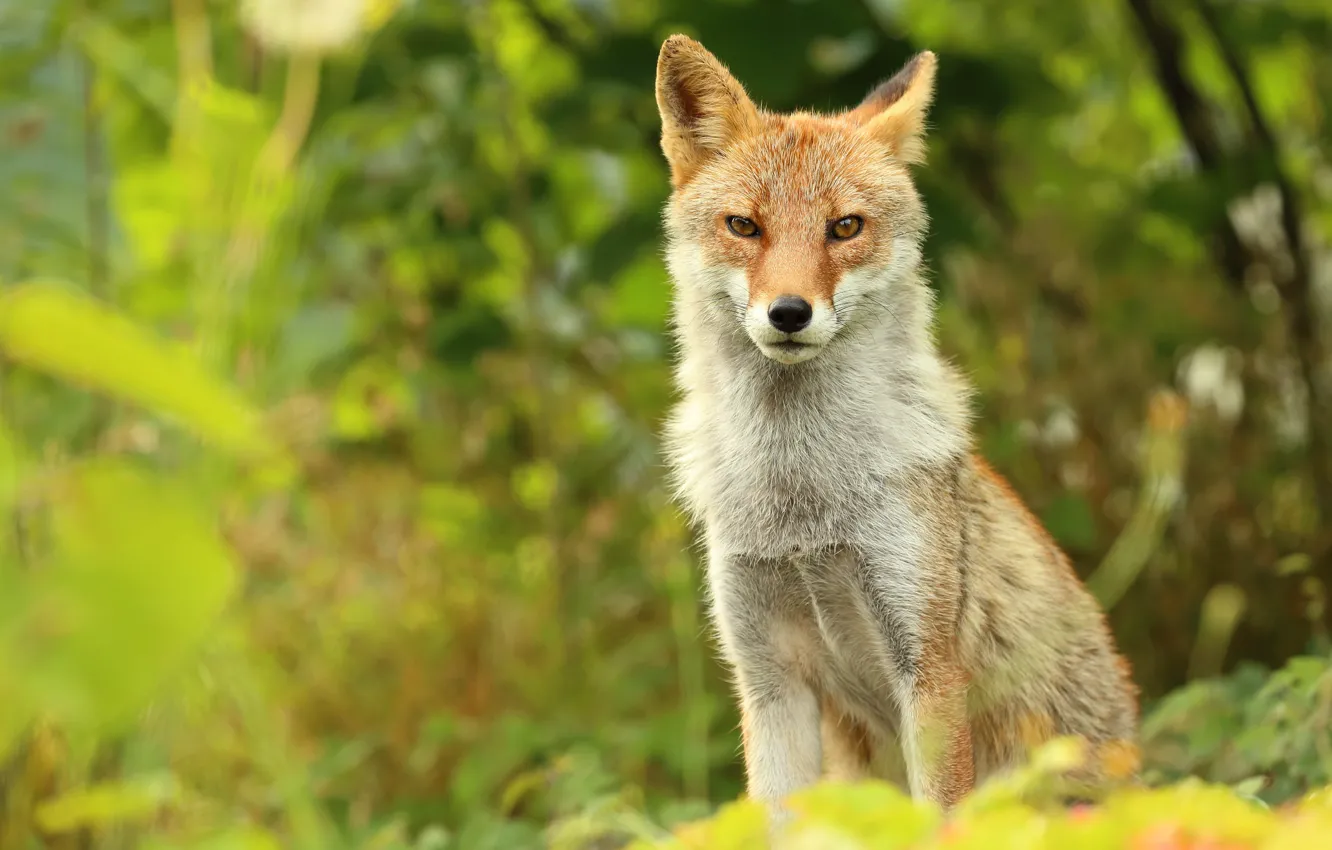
(1294, 564)
(136, 576)
(242, 838)
(1248, 789)
(378, 12)
(54, 329)
(736, 826)
(868, 811)
(150, 200)
(108, 803)
(118, 56)
(536, 484)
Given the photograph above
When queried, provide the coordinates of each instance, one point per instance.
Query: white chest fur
(776, 459)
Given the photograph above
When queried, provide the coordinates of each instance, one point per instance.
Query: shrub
(1014, 812)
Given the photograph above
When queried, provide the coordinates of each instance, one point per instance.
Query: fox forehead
(799, 172)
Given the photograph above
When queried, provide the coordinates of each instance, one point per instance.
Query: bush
(1268, 734)
(1018, 811)
(873, 815)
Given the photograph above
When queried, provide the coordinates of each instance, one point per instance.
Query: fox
(886, 605)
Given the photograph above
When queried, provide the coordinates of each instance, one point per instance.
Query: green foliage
(107, 804)
(1268, 732)
(1013, 812)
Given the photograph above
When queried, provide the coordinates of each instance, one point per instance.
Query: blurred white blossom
(1257, 219)
(1061, 427)
(310, 26)
(1210, 378)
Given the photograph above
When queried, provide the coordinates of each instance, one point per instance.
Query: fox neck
(881, 375)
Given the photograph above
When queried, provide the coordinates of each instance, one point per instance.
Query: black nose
(790, 313)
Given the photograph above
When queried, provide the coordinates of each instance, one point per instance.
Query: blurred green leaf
(869, 812)
(242, 838)
(107, 804)
(116, 54)
(137, 570)
(52, 328)
(536, 484)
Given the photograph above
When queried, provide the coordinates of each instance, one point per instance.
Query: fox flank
(887, 605)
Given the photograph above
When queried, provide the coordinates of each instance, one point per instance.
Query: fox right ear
(895, 111)
(703, 108)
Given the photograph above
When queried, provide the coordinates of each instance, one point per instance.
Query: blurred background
(334, 351)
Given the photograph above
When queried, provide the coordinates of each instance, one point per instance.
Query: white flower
(1210, 376)
(1061, 428)
(312, 26)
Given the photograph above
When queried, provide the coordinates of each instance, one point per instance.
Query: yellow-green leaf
(738, 825)
(243, 838)
(378, 12)
(108, 803)
(868, 811)
(57, 330)
(137, 576)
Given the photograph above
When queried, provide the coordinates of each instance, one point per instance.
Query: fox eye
(845, 228)
(741, 226)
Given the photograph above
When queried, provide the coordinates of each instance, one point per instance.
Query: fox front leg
(917, 621)
(782, 746)
(936, 734)
(767, 634)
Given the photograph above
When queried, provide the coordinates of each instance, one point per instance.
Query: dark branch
(1190, 106)
(1296, 288)
(1193, 113)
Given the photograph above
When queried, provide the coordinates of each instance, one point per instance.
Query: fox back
(886, 603)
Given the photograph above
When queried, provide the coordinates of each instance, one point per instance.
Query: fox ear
(703, 108)
(895, 111)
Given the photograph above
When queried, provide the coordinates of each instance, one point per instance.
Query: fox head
(797, 226)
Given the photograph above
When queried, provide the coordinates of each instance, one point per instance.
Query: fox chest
(773, 487)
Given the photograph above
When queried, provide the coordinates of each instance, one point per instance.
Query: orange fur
(1016, 503)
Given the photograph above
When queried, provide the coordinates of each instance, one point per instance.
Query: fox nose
(790, 313)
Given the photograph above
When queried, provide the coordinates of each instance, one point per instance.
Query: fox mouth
(787, 342)
(789, 351)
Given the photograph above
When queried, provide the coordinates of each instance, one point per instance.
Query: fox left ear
(703, 107)
(895, 111)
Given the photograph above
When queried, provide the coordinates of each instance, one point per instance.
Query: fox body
(887, 605)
